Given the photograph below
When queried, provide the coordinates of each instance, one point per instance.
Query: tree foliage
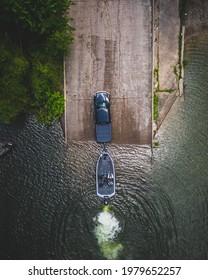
(52, 106)
(48, 102)
(31, 63)
(40, 16)
(14, 96)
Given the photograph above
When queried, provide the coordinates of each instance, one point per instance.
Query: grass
(185, 62)
(156, 74)
(175, 71)
(166, 90)
(155, 111)
(156, 144)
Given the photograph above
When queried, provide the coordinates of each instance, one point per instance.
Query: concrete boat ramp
(112, 51)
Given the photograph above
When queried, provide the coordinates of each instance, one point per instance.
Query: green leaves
(59, 41)
(40, 16)
(14, 96)
(155, 113)
(45, 75)
(52, 107)
(31, 67)
(48, 102)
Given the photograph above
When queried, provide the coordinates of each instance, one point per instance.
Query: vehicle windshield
(103, 116)
(101, 105)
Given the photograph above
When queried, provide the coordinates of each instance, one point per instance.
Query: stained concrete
(112, 51)
(169, 27)
(166, 55)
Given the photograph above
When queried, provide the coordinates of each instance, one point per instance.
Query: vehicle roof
(102, 96)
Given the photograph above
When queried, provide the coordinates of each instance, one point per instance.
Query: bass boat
(105, 177)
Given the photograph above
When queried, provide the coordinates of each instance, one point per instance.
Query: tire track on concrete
(112, 51)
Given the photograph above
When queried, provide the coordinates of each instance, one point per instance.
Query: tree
(48, 104)
(40, 16)
(52, 107)
(14, 97)
(39, 35)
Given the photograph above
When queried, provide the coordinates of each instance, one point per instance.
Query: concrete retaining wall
(167, 28)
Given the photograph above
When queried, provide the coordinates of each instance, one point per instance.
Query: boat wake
(106, 230)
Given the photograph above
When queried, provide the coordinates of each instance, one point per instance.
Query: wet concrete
(112, 51)
(166, 54)
(169, 27)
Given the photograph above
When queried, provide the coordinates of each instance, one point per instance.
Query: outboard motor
(105, 201)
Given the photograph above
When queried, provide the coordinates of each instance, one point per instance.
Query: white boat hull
(105, 176)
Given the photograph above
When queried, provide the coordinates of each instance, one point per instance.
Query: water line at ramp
(107, 229)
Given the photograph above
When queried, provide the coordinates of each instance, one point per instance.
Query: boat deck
(105, 177)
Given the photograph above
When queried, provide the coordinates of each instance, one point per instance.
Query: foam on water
(106, 230)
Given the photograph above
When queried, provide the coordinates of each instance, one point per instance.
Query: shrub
(14, 96)
(31, 67)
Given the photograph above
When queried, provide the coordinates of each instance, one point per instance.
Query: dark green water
(48, 205)
(181, 162)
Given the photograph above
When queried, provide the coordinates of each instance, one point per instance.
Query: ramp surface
(112, 51)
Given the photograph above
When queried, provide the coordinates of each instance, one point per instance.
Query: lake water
(48, 205)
